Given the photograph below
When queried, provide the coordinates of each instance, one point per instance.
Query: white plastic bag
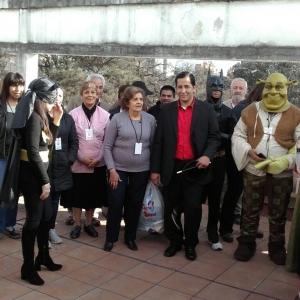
(152, 213)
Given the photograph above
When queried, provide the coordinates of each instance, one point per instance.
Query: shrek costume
(270, 127)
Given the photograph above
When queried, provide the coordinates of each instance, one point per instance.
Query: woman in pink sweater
(89, 170)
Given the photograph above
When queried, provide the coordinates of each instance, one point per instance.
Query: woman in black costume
(34, 136)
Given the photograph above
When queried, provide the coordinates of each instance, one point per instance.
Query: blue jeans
(8, 217)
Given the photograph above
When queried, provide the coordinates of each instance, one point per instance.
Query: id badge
(89, 134)
(138, 148)
(58, 144)
(268, 131)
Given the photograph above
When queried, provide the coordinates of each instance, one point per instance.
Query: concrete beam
(225, 30)
(73, 3)
(250, 52)
(27, 65)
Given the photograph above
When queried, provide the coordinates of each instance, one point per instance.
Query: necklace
(13, 112)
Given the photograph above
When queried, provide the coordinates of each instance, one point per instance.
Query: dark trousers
(182, 193)
(130, 195)
(231, 197)
(37, 210)
(213, 192)
(55, 203)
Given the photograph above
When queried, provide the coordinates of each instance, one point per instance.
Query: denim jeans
(8, 217)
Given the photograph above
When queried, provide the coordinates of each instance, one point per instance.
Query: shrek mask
(274, 95)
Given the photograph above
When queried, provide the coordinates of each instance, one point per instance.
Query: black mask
(43, 89)
(214, 83)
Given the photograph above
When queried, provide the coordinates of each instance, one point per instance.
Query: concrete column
(27, 65)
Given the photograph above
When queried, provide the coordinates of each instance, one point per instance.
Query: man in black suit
(187, 135)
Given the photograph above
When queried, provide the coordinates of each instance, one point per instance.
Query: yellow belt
(43, 154)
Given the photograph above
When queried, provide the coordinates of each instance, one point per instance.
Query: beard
(237, 98)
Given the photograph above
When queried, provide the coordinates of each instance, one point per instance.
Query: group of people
(91, 155)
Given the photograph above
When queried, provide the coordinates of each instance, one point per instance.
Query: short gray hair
(239, 79)
(91, 76)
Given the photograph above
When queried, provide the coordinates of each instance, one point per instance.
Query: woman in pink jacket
(89, 170)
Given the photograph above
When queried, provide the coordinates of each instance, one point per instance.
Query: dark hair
(121, 90)
(9, 80)
(255, 94)
(59, 86)
(167, 88)
(87, 85)
(186, 74)
(40, 109)
(129, 94)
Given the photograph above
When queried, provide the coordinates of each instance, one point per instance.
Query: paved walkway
(90, 273)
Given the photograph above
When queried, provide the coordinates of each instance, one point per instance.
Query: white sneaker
(49, 245)
(216, 246)
(53, 237)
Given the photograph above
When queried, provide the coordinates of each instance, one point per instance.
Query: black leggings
(37, 210)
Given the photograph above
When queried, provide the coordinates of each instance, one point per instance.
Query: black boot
(277, 252)
(43, 257)
(28, 271)
(246, 248)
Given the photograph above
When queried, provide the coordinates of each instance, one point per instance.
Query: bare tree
(250, 71)
(7, 64)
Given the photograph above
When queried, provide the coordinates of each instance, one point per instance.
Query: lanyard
(270, 118)
(138, 141)
(13, 112)
(89, 122)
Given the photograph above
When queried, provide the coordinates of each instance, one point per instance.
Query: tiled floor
(90, 273)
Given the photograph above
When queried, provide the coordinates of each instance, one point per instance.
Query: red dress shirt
(184, 148)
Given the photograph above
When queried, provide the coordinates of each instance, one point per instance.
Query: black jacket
(114, 111)
(10, 187)
(237, 110)
(59, 170)
(155, 110)
(3, 131)
(227, 121)
(205, 137)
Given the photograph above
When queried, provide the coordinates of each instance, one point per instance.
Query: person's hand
(155, 178)
(253, 154)
(93, 163)
(45, 191)
(114, 178)
(86, 161)
(57, 112)
(203, 162)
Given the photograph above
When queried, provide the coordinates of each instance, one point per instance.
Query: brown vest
(284, 133)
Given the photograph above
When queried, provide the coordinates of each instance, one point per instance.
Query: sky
(219, 64)
(223, 64)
